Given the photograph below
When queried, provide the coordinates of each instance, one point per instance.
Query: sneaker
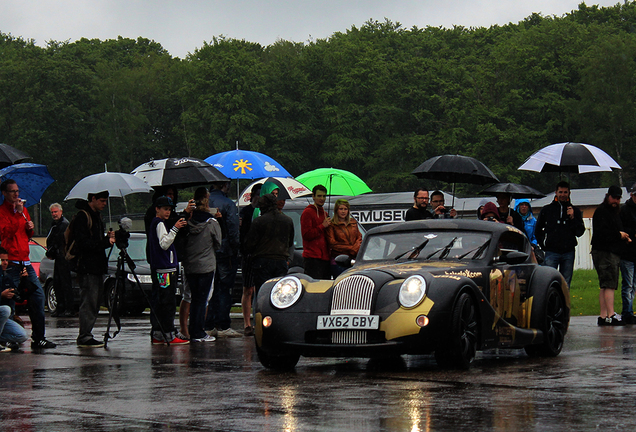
(42, 343)
(629, 319)
(616, 320)
(4, 348)
(177, 341)
(92, 343)
(228, 332)
(601, 321)
(158, 342)
(182, 336)
(206, 338)
(249, 331)
(13, 346)
(212, 332)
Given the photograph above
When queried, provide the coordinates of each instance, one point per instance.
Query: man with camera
(558, 226)
(90, 249)
(439, 210)
(16, 228)
(12, 334)
(56, 250)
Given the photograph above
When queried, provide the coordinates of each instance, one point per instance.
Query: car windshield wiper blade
(478, 250)
(414, 252)
(445, 250)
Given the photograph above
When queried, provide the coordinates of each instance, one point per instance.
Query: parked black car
(134, 302)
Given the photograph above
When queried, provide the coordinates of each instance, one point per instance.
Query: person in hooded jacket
(343, 235)
(628, 257)
(524, 209)
(204, 237)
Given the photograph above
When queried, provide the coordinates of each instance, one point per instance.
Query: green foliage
(377, 100)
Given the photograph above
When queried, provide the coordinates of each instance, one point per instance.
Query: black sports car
(451, 287)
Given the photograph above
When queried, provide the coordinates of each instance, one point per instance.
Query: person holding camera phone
(92, 263)
(16, 228)
(439, 210)
(12, 334)
(558, 225)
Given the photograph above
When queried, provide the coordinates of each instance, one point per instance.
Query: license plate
(348, 322)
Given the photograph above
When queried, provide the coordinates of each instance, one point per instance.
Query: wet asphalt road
(222, 386)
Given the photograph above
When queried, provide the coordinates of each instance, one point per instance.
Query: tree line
(376, 100)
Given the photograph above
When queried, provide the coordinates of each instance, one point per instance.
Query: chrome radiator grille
(352, 296)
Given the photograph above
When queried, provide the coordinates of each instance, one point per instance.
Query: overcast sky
(182, 26)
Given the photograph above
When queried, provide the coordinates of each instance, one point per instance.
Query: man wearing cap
(628, 257)
(608, 238)
(90, 247)
(16, 228)
(558, 225)
(162, 257)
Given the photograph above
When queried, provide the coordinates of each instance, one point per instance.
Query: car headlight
(412, 291)
(286, 292)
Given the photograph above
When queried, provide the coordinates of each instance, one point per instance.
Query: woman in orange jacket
(343, 235)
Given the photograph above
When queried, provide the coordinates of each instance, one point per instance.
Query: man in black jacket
(628, 257)
(56, 250)
(607, 242)
(558, 226)
(92, 263)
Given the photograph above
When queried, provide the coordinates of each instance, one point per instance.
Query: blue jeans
(35, 299)
(219, 307)
(628, 287)
(10, 331)
(200, 285)
(563, 262)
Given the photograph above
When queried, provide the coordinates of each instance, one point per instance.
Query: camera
(122, 235)
(491, 219)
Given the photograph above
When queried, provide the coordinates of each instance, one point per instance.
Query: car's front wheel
(461, 347)
(552, 319)
(51, 299)
(278, 362)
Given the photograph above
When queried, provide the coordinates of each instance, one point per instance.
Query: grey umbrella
(516, 190)
(10, 155)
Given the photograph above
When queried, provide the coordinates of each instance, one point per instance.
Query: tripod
(117, 292)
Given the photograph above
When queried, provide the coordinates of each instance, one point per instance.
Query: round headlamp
(286, 292)
(412, 291)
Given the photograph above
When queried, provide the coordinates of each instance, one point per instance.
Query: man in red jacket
(313, 223)
(16, 228)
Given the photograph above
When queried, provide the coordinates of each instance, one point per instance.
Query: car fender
(541, 279)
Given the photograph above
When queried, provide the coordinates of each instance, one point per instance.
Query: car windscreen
(136, 250)
(421, 245)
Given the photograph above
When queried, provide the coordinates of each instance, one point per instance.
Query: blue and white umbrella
(32, 180)
(244, 164)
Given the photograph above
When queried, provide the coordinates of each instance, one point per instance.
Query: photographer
(558, 226)
(11, 333)
(90, 246)
(439, 210)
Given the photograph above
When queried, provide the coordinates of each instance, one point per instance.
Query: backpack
(70, 251)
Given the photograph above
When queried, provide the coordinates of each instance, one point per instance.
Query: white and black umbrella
(288, 188)
(178, 172)
(570, 157)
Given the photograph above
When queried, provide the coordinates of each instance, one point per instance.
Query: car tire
(51, 299)
(549, 315)
(461, 348)
(277, 362)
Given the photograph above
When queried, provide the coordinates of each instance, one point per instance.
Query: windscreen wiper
(445, 250)
(478, 250)
(414, 252)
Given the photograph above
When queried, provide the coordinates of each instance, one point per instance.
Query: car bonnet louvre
(353, 296)
(349, 337)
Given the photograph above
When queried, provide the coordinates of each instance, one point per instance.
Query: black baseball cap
(163, 201)
(615, 192)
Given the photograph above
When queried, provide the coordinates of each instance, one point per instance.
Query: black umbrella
(516, 190)
(178, 172)
(10, 155)
(455, 169)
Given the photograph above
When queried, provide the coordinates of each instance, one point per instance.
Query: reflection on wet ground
(221, 386)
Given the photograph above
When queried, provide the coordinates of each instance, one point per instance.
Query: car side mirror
(514, 257)
(343, 261)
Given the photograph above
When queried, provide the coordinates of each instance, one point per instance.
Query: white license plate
(348, 322)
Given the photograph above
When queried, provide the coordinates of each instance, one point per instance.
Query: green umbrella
(337, 182)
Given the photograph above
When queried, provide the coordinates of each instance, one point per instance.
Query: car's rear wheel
(461, 348)
(51, 299)
(278, 362)
(552, 321)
